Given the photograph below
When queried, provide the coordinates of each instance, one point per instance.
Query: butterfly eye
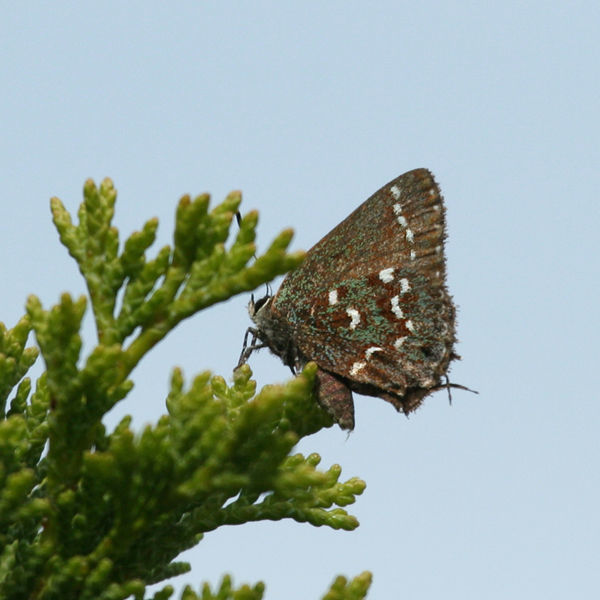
(261, 302)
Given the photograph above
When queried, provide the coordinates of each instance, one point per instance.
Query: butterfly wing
(385, 322)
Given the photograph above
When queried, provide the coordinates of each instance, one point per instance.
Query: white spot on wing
(396, 308)
(398, 343)
(370, 351)
(333, 297)
(395, 192)
(413, 255)
(410, 236)
(404, 285)
(356, 367)
(402, 221)
(354, 316)
(387, 275)
(410, 326)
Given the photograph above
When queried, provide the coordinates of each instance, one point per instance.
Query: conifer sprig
(89, 513)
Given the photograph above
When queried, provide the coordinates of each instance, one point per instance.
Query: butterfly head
(258, 309)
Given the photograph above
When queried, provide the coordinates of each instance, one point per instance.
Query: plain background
(309, 107)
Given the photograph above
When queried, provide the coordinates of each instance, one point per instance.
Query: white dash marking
(397, 209)
(410, 236)
(438, 249)
(403, 222)
(370, 351)
(410, 326)
(432, 192)
(398, 343)
(404, 285)
(396, 307)
(413, 255)
(333, 297)
(395, 192)
(387, 275)
(356, 367)
(354, 316)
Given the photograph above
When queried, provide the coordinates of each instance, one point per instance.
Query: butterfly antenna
(457, 386)
(238, 218)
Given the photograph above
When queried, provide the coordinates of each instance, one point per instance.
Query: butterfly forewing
(403, 222)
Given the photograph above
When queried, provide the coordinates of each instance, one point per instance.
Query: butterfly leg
(248, 349)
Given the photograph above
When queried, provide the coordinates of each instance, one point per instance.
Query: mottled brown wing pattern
(369, 304)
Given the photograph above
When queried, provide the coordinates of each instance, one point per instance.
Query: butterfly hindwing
(382, 314)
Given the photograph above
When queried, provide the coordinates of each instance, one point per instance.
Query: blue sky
(308, 108)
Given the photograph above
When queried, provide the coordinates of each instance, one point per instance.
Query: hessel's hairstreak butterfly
(369, 304)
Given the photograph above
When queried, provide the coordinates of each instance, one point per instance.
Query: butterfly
(369, 304)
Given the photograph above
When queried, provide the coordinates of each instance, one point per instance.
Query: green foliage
(356, 589)
(341, 589)
(91, 514)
